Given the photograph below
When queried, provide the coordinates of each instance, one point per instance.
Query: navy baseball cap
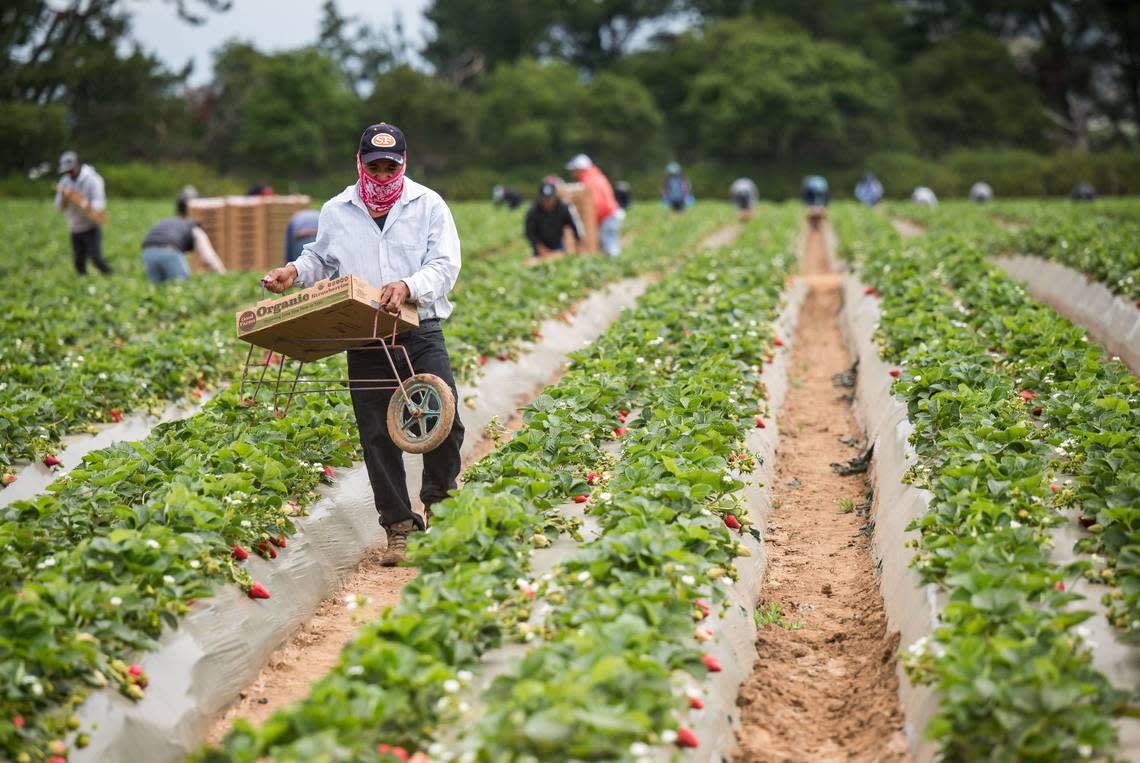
(382, 141)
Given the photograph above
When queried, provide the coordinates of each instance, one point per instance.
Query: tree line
(517, 85)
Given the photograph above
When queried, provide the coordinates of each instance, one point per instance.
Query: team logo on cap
(383, 140)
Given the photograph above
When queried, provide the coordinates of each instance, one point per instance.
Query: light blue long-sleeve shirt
(419, 246)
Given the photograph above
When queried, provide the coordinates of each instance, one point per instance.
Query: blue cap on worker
(382, 141)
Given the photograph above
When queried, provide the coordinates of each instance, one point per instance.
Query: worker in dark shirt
(302, 229)
(547, 220)
(164, 246)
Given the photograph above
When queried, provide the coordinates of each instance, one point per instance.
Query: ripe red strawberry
(195, 393)
(778, 342)
(703, 606)
(869, 290)
(1027, 395)
(240, 553)
(1060, 586)
(712, 663)
(116, 415)
(18, 721)
(621, 419)
(135, 670)
(581, 498)
(1055, 487)
(696, 703)
(504, 356)
(8, 478)
(732, 521)
(686, 737)
(50, 460)
(536, 335)
(56, 759)
(329, 472)
(759, 422)
(257, 591)
(767, 358)
(592, 477)
(1037, 411)
(1138, 303)
(895, 373)
(619, 431)
(624, 411)
(481, 360)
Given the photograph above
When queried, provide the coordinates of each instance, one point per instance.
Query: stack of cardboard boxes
(248, 232)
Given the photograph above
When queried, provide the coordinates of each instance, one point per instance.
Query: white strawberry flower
(451, 686)
(152, 543)
(688, 580)
(168, 579)
(355, 670)
(640, 359)
(639, 749)
(465, 676)
(195, 564)
(668, 736)
(116, 601)
(604, 497)
(583, 576)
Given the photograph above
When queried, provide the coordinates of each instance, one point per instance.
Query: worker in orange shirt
(606, 209)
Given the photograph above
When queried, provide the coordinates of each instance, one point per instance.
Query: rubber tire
(446, 416)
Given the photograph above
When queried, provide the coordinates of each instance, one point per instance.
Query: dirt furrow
(824, 686)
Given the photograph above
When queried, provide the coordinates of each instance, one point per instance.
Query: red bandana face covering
(379, 195)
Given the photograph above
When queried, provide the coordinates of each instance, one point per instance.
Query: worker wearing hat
(606, 210)
(547, 221)
(82, 198)
(399, 236)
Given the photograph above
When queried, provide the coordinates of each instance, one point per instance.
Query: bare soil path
(824, 687)
(907, 228)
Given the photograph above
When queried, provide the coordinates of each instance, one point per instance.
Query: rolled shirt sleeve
(441, 265)
(316, 261)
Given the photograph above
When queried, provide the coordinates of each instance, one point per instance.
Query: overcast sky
(268, 24)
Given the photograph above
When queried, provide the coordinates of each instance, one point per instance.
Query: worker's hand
(279, 279)
(392, 295)
(542, 250)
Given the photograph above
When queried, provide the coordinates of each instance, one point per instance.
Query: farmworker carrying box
(547, 221)
(81, 196)
(165, 245)
(399, 236)
(606, 210)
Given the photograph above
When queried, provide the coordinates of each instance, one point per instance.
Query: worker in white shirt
(400, 236)
(82, 197)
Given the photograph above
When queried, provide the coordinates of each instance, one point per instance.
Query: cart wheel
(424, 423)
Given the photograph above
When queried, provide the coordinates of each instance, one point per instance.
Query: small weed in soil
(846, 505)
(770, 614)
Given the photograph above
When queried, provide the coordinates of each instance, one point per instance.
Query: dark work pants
(385, 461)
(89, 245)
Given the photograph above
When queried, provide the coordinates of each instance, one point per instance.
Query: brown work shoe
(396, 553)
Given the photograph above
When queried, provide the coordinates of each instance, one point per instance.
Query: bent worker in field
(399, 235)
(165, 246)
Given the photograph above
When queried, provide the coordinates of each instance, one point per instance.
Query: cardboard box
(343, 308)
(210, 214)
(246, 234)
(278, 210)
(580, 197)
